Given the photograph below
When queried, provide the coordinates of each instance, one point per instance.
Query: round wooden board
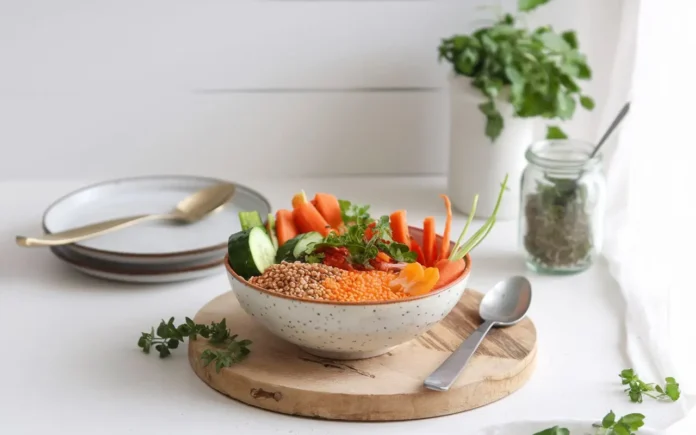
(280, 377)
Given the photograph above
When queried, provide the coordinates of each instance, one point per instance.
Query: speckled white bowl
(344, 330)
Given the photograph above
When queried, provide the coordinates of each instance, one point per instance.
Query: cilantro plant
(536, 71)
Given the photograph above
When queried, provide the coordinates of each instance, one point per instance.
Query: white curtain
(651, 219)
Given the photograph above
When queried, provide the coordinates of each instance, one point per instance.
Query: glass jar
(562, 202)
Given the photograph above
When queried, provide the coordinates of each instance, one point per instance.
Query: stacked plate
(155, 251)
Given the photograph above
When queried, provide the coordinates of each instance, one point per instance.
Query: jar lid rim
(582, 148)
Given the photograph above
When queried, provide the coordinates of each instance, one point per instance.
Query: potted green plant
(504, 79)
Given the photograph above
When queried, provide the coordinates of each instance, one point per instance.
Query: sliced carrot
(449, 271)
(307, 218)
(444, 249)
(299, 199)
(399, 227)
(415, 247)
(429, 241)
(285, 226)
(328, 207)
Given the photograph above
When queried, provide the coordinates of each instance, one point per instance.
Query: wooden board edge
(371, 408)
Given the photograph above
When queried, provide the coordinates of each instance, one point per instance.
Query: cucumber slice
(250, 252)
(250, 219)
(305, 242)
(293, 249)
(272, 230)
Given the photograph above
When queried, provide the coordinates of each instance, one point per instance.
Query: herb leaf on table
(637, 387)
(556, 430)
(168, 336)
(626, 425)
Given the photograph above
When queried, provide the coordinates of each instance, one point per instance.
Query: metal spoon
(504, 305)
(191, 209)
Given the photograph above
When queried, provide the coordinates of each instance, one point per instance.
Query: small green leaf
(621, 430)
(571, 38)
(659, 389)
(565, 106)
(556, 430)
(553, 132)
(162, 330)
(587, 102)
(163, 350)
(584, 71)
(608, 420)
(173, 343)
(672, 391)
(635, 396)
(554, 42)
(529, 5)
(494, 126)
(632, 421)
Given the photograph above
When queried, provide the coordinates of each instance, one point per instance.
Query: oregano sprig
(168, 336)
(536, 71)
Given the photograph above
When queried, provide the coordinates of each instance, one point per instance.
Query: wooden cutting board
(280, 377)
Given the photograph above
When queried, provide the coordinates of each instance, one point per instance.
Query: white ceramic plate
(151, 242)
(138, 274)
(576, 427)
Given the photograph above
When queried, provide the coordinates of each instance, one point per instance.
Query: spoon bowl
(507, 302)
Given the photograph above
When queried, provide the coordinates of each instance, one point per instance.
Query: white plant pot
(477, 165)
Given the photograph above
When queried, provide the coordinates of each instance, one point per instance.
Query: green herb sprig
(362, 250)
(536, 71)
(637, 388)
(168, 336)
(626, 425)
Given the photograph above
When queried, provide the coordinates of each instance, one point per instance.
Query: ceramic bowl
(348, 330)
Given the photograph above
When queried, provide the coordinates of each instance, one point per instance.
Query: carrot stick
(429, 241)
(399, 227)
(444, 249)
(415, 247)
(307, 218)
(328, 207)
(384, 257)
(449, 271)
(285, 226)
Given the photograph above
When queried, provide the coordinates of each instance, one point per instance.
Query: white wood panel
(262, 135)
(105, 45)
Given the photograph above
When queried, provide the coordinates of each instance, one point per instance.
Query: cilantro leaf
(556, 430)
(528, 5)
(354, 213)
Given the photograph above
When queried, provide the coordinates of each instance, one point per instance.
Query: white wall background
(107, 88)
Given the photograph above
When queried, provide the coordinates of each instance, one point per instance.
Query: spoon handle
(87, 231)
(448, 372)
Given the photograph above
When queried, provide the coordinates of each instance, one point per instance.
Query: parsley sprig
(537, 71)
(168, 336)
(637, 388)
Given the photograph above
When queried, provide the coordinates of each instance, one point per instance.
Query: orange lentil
(361, 287)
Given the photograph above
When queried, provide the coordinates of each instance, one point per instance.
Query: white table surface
(70, 364)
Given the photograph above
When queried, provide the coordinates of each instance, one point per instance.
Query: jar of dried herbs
(563, 194)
